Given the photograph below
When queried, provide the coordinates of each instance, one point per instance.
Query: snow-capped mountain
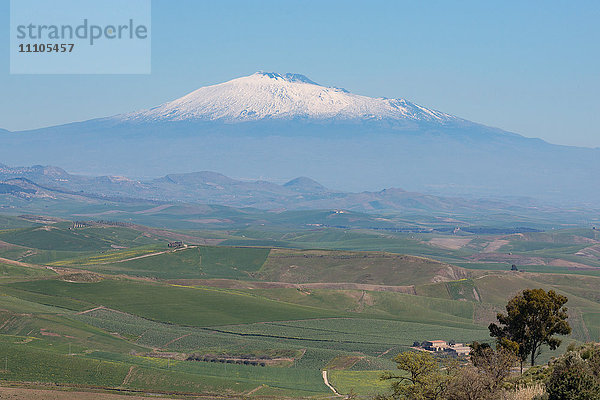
(282, 126)
(282, 96)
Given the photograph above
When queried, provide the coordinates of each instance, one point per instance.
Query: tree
(532, 319)
(424, 379)
(494, 365)
(468, 384)
(483, 379)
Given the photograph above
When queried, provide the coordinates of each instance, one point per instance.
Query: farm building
(438, 346)
(434, 345)
(458, 351)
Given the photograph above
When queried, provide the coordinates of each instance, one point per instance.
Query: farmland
(106, 306)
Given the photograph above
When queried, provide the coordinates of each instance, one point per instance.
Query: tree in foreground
(426, 377)
(575, 375)
(532, 319)
(423, 379)
(493, 364)
(484, 377)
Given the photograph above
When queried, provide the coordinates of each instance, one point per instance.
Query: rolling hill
(109, 306)
(217, 190)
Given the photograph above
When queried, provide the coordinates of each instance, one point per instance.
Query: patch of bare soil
(527, 260)
(509, 258)
(484, 314)
(363, 299)
(495, 245)
(569, 264)
(162, 233)
(450, 243)
(46, 228)
(81, 277)
(19, 263)
(450, 273)
(592, 252)
(41, 219)
(343, 362)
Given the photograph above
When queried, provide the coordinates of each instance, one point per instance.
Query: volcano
(280, 126)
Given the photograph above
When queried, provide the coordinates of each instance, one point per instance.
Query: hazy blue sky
(529, 67)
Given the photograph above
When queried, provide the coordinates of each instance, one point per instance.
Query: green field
(10, 271)
(38, 362)
(60, 236)
(180, 305)
(363, 383)
(364, 267)
(114, 307)
(189, 263)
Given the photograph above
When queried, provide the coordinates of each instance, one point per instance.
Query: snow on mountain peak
(271, 95)
(288, 77)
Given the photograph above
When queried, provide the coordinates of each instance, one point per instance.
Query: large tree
(532, 319)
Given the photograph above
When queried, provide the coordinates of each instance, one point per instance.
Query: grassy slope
(60, 237)
(190, 263)
(178, 305)
(12, 272)
(38, 361)
(342, 266)
(363, 383)
(9, 222)
(259, 318)
(384, 305)
(494, 288)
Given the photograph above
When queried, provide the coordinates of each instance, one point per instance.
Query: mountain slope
(275, 96)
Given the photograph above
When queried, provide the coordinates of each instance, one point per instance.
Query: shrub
(573, 378)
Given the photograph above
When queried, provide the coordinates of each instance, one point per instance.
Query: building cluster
(441, 346)
(175, 245)
(80, 224)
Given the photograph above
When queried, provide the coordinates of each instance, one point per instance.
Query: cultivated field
(113, 307)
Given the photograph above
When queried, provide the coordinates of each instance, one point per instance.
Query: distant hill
(304, 184)
(7, 188)
(208, 187)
